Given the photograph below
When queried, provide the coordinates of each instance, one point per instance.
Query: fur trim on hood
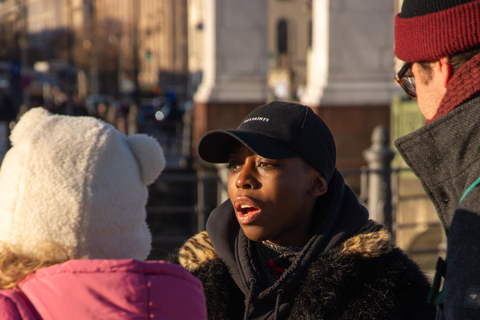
(198, 250)
(79, 183)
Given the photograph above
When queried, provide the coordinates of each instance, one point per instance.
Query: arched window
(282, 36)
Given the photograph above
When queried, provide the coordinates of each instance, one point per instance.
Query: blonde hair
(16, 265)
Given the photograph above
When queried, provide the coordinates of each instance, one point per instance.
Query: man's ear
(319, 186)
(444, 70)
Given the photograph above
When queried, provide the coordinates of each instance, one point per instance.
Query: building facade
(116, 43)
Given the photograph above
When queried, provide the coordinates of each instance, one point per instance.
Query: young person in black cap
(440, 43)
(293, 242)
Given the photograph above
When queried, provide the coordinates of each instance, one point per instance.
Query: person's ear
(319, 186)
(444, 70)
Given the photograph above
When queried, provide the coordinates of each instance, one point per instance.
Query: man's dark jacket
(445, 155)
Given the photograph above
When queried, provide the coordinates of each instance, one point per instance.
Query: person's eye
(234, 166)
(266, 165)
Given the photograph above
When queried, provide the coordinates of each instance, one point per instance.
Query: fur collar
(198, 250)
(368, 245)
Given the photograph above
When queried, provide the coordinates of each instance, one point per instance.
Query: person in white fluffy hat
(73, 232)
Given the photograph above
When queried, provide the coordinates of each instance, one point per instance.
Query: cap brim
(215, 145)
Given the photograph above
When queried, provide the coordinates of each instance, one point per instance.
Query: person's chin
(254, 232)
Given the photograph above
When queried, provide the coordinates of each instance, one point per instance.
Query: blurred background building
(175, 69)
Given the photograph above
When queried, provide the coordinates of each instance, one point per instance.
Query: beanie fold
(435, 35)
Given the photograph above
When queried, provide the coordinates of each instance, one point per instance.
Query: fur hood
(79, 183)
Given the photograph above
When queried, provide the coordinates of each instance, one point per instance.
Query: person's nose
(246, 178)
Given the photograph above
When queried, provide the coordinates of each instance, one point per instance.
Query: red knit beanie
(427, 30)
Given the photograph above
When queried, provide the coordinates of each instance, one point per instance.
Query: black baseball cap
(277, 130)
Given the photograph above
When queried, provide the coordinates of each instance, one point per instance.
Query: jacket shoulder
(111, 286)
(13, 306)
(196, 252)
(365, 277)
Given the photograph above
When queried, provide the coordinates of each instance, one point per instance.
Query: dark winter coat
(445, 155)
(348, 269)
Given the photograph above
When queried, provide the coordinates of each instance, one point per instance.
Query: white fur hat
(80, 183)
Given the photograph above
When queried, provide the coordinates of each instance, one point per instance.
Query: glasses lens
(409, 86)
(406, 80)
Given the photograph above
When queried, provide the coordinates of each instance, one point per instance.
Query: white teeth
(244, 206)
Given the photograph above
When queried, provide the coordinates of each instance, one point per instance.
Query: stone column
(235, 62)
(352, 56)
(350, 71)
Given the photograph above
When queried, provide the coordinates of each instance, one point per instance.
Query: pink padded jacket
(106, 289)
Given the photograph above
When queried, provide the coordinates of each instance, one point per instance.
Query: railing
(178, 207)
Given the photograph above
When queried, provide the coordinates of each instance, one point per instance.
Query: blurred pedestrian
(73, 232)
(440, 44)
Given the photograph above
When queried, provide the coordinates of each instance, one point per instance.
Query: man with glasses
(440, 43)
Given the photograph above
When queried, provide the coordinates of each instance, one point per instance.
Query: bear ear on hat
(26, 120)
(149, 156)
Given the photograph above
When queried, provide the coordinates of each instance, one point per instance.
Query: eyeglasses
(406, 80)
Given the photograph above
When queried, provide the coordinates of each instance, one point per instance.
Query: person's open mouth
(246, 212)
